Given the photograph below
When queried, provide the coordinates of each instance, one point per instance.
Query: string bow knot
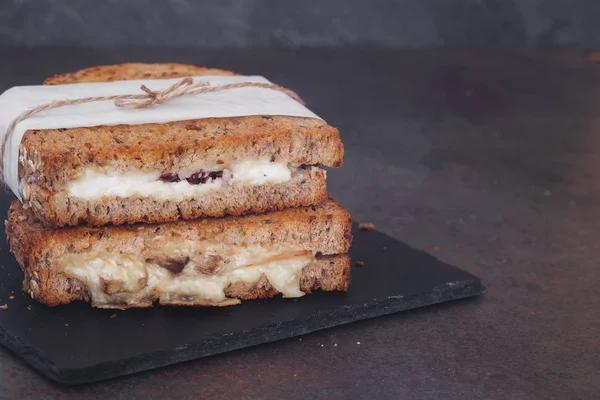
(152, 98)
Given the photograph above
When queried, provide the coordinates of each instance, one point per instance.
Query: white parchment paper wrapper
(228, 103)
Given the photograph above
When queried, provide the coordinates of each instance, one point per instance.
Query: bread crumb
(360, 263)
(357, 342)
(114, 315)
(366, 226)
(4, 307)
(11, 297)
(66, 324)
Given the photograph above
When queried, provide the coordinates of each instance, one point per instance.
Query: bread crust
(325, 229)
(128, 71)
(51, 158)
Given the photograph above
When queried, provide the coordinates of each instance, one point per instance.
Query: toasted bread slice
(58, 167)
(130, 71)
(213, 261)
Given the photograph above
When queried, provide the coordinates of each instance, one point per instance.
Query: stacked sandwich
(198, 212)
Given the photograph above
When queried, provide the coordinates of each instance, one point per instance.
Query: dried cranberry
(169, 177)
(197, 177)
(215, 174)
(194, 179)
(203, 177)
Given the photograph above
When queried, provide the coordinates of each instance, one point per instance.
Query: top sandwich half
(157, 173)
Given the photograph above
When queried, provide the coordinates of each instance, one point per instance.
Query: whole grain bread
(326, 273)
(323, 229)
(129, 71)
(51, 158)
(62, 210)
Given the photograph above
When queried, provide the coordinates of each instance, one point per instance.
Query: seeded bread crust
(129, 71)
(51, 158)
(325, 229)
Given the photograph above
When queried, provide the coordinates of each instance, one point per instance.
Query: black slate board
(94, 346)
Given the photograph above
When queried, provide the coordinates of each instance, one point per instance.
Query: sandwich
(162, 172)
(206, 262)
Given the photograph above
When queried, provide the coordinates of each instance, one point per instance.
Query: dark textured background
(489, 161)
(243, 23)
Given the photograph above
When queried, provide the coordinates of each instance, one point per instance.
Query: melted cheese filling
(127, 279)
(94, 184)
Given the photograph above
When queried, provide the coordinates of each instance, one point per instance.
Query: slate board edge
(29, 354)
(462, 290)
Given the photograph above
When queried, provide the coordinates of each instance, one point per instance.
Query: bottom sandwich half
(208, 262)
